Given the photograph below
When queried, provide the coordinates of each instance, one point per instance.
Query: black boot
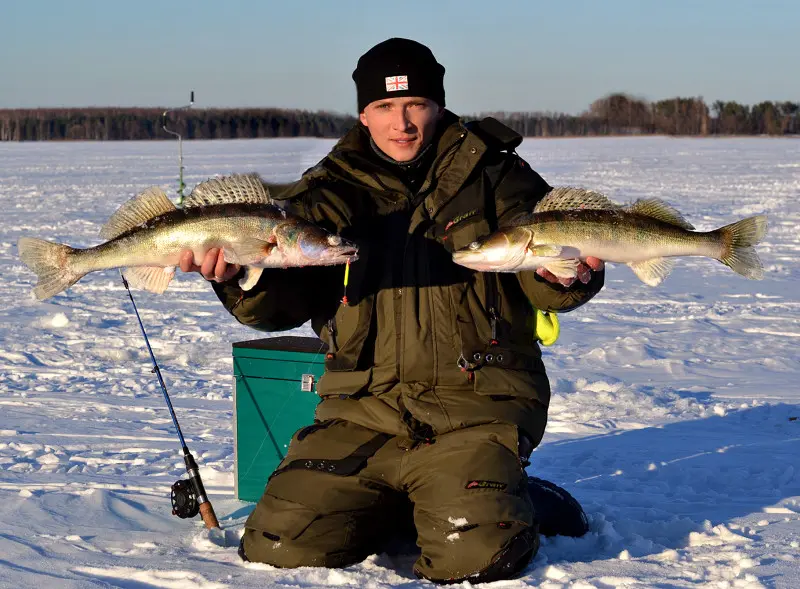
(558, 512)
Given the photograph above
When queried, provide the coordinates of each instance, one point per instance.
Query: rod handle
(208, 515)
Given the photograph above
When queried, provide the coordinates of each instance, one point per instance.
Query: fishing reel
(185, 503)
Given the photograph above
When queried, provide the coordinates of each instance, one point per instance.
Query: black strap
(314, 427)
(342, 467)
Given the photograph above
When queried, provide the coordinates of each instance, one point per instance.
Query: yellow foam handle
(547, 328)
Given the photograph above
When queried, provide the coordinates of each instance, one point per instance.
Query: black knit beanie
(398, 67)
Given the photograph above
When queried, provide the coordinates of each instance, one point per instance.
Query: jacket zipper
(412, 197)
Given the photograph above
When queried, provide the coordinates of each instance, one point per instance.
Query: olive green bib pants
(339, 496)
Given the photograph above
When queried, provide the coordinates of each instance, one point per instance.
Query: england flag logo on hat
(395, 83)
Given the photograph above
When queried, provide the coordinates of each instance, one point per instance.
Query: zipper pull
(493, 323)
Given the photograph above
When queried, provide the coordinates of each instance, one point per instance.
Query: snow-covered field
(675, 417)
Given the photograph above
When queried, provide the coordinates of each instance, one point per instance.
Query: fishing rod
(188, 496)
(181, 184)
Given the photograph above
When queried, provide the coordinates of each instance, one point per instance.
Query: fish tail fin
(738, 239)
(51, 263)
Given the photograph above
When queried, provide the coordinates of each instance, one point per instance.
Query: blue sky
(499, 54)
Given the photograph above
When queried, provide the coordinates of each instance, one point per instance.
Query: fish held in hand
(570, 224)
(148, 234)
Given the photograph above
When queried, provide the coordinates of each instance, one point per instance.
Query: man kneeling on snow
(434, 392)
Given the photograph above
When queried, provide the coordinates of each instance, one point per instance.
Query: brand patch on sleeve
(486, 485)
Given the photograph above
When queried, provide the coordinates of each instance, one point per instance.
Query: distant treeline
(620, 114)
(617, 114)
(108, 124)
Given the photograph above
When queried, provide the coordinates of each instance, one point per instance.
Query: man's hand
(213, 267)
(585, 268)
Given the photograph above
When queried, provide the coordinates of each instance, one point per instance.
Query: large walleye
(147, 236)
(571, 223)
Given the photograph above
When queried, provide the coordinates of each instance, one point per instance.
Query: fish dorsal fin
(658, 209)
(565, 198)
(652, 272)
(237, 188)
(150, 203)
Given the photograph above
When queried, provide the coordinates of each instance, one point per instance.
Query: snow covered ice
(675, 417)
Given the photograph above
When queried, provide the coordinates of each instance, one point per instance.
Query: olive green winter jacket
(422, 346)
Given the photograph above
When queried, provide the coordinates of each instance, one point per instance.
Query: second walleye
(571, 224)
(148, 235)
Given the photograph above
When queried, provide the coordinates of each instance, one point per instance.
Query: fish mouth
(345, 249)
(329, 250)
(341, 254)
(350, 253)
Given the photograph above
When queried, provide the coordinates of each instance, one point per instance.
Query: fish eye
(474, 245)
(334, 240)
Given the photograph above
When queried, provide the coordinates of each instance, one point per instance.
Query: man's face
(402, 127)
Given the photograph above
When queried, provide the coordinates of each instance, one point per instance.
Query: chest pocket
(460, 234)
(463, 220)
(468, 217)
